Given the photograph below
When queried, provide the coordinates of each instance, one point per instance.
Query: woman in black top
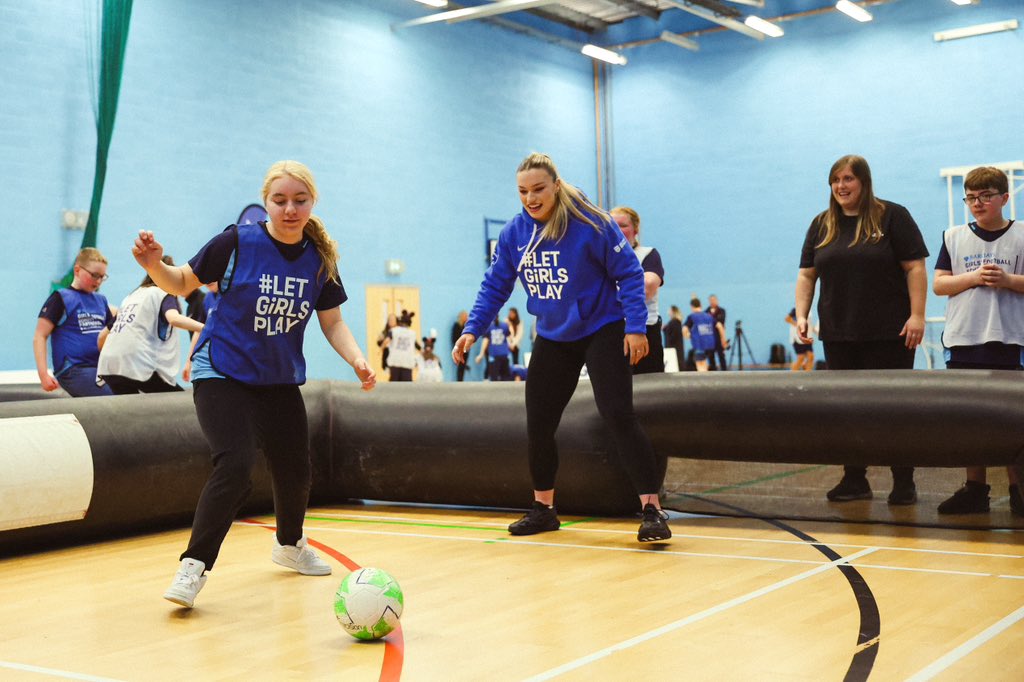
(870, 259)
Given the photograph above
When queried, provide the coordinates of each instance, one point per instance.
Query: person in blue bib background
(497, 348)
(586, 288)
(72, 319)
(248, 364)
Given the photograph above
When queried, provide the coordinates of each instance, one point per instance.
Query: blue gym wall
(414, 136)
(725, 152)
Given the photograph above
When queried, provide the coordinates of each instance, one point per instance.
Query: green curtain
(114, 37)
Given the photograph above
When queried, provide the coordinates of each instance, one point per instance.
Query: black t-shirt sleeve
(906, 239)
(331, 296)
(943, 261)
(211, 262)
(168, 304)
(53, 308)
(810, 240)
(652, 263)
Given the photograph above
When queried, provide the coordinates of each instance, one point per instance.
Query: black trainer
(540, 519)
(653, 527)
(972, 498)
(850, 488)
(903, 492)
(1016, 501)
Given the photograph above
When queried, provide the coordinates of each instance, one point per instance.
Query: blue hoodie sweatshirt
(575, 286)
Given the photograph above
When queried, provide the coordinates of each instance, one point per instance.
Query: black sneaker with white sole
(540, 519)
(653, 527)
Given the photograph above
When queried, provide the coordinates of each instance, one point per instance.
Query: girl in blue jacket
(586, 288)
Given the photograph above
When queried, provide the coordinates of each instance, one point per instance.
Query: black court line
(868, 638)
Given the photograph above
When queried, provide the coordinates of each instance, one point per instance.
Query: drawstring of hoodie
(530, 248)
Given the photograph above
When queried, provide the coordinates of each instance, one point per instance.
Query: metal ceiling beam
(479, 12)
(737, 26)
(574, 19)
(638, 8)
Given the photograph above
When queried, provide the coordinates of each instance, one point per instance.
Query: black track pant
(889, 354)
(238, 420)
(554, 372)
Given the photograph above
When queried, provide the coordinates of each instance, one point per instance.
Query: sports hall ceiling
(628, 23)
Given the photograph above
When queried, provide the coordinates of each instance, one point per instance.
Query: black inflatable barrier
(15, 392)
(466, 443)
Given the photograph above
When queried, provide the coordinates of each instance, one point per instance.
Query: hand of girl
(462, 347)
(365, 373)
(635, 346)
(147, 250)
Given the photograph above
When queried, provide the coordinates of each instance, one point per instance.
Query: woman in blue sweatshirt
(586, 288)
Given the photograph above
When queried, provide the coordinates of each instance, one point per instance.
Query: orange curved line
(394, 643)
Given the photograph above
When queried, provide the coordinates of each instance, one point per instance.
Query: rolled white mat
(46, 471)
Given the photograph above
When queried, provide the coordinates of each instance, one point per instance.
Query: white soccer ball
(368, 603)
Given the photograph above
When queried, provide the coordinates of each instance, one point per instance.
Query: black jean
(238, 421)
(886, 354)
(555, 372)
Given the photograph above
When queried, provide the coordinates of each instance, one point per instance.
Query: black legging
(238, 420)
(555, 372)
(654, 361)
(886, 354)
(124, 386)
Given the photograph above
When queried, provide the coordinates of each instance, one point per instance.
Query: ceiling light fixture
(765, 27)
(962, 2)
(434, 3)
(853, 11)
(603, 54)
(679, 40)
(978, 30)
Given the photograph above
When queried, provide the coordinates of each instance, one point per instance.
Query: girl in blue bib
(248, 364)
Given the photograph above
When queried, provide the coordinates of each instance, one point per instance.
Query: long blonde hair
(568, 199)
(869, 210)
(314, 229)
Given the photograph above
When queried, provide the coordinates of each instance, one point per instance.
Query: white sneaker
(187, 582)
(299, 557)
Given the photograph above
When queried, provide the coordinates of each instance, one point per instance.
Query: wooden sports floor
(726, 599)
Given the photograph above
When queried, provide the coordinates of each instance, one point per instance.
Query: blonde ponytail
(325, 246)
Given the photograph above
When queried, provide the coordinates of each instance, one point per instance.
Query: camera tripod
(737, 344)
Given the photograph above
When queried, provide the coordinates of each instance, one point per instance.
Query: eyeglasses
(985, 198)
(98, 278)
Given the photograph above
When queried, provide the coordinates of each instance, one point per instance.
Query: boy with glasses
(981, 269)
(72, 319)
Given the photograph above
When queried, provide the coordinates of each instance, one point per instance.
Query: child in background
(804, 351)
(495, 347)
(702, 330)
(429, 364)
(980, 269)
(401, 345)
(72, 319)
(141, 353)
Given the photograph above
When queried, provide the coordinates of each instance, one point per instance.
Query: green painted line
(755, 481)
(425, 524)
(405, 523)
